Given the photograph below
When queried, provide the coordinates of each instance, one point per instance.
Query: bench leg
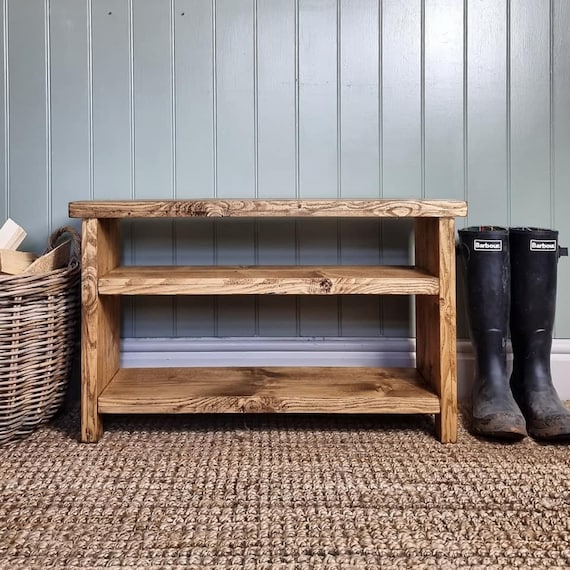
(100, 322)
(436, 320)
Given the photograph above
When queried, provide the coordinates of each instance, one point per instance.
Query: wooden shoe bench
(429, 388)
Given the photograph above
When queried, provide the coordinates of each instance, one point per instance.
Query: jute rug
(280, 492)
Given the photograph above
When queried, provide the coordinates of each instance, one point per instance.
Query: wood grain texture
(436, 320)
(100, 321)
(275, 280)
(266, 208)
(262, 390)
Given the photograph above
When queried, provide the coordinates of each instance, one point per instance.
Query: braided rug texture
(280, 492)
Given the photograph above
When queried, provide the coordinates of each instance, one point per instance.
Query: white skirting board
(248, 351)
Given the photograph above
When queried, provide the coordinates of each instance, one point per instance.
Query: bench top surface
(220, 208)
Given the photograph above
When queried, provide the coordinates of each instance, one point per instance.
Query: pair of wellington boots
(511, 279)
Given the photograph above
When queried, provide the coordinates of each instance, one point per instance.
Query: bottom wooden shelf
(268, 390)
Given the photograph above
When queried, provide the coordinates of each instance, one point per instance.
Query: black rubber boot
(534, 262)
(486, 259)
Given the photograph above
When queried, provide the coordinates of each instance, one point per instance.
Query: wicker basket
(39, 315)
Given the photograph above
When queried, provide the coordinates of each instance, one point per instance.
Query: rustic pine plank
(278, 280)
(436, 319)
(266, 208)
(279, 389)
(100, 322)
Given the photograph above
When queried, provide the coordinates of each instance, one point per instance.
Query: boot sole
(547, 435)
(499, 428)
(501, 434)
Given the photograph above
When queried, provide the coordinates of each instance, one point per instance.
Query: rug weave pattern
(280, 492)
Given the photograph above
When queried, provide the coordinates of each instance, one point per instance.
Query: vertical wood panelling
(70, 106)
(235, 246)
(530, 113)
(401, 98)
(235, 98)
(236, 316)
(318, 244)
(152, 99)
(318, 147)
(153, 149)
(359, 149)
(194, 100)
(277, 313)
(194, 130)
(195, 246)
(487, 113)
(276, 164)
(278, 99)
(402, 150)
(318, 98)
(444, 99)
(28, 121)
(360, 244)
(112, 160)
(112, 141)
(236, 147)
(396, 238)
(561, 163)
(359, 108)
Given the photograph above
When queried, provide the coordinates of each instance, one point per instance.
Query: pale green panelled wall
(465, 99)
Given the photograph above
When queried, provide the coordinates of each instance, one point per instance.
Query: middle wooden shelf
(268, 280)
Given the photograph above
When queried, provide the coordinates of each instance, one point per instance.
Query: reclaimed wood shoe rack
(428, 388)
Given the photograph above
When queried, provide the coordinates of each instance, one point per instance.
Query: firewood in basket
(54, 259)
(13, 262)
(11, 235)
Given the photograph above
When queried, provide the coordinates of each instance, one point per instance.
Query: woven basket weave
(39, 315)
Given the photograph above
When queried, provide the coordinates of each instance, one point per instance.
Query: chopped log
(14, 262)
(11, 235)
(54, 259)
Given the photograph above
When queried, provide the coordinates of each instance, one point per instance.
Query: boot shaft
(486, 262)
(534, 267)
(486, 259)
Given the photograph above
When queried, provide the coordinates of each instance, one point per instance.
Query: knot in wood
(199, 209)
(325, 285)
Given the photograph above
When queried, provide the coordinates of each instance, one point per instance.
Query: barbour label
(543, 245)
(487, 245)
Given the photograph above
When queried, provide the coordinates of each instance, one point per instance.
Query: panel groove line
(48, 133)
(5, 201)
